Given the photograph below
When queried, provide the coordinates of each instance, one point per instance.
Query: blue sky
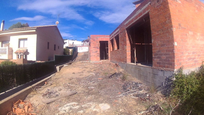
(77, 18)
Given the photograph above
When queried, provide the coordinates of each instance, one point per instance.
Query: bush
(66, 51)
(7, 63)
(61, 59)
(12, 76)
(190, 90)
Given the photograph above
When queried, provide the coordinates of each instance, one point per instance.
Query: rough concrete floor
(99, 92)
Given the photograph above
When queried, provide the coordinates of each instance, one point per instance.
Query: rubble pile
(50, 94)
(135, 90)
(56, 93)
(133, 86)
(118, 75)
(22, 108)
(153, 109)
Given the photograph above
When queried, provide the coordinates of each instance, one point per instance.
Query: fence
(60, 59)
(12, 76)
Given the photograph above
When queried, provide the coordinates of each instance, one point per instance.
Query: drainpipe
(2, 25)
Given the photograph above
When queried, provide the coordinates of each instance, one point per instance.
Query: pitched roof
(28, 29)
(24, 29)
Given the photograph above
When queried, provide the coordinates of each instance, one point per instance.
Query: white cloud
(35, 18)
(66, 35)
(70, 27)
(54, 7)
(110, 11)
(115, 14)
(112, 17)
(89, 23)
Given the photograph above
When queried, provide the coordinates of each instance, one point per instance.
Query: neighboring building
(82, 49)
(158, 38)
(83, 46)
(72, 43)
(41, 43)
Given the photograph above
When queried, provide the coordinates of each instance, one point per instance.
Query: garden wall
(15, 75)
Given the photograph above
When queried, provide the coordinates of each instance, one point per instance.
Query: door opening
(103, 50)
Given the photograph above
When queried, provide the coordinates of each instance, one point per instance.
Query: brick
(177, 31)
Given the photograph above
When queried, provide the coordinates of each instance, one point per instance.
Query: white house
(72, 43)
(42, 43)
(82, 46)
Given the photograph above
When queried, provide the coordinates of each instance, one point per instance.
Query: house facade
(158, 38)
(41, 43)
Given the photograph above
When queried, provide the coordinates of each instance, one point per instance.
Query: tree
(18, 25)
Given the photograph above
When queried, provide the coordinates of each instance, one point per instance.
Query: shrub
(7, 63)
(190, 90)
(66, 51)
(11, 76)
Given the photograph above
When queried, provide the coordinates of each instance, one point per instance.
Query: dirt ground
(103, 88)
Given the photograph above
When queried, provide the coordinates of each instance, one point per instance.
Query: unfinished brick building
(99, 49)
(158, 38)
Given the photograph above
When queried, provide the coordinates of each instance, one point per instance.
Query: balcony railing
(4, 53)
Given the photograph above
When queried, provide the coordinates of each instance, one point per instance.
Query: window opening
(141, 41)
(112, 43)
(117, 41)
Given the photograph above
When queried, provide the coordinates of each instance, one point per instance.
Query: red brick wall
(124, 53)
(177, 28)
(119, 55)
(188, 25)
(94, 49)
(162, 35)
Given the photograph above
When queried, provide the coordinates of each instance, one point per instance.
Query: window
(117, 41)
(22, 43)
(54, 46)
(48, 45)
(4, 43)
(112, 43)
(58, 47)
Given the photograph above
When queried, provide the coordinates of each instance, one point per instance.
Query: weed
(190, 90)
(124, 77)
(166, 108)
(153, 88)
(105, 73)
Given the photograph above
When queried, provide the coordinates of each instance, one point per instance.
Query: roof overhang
(17, 32)
(138, 2)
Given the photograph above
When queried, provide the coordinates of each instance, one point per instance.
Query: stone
(80, 112)
(66, 108)
(104, 106)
